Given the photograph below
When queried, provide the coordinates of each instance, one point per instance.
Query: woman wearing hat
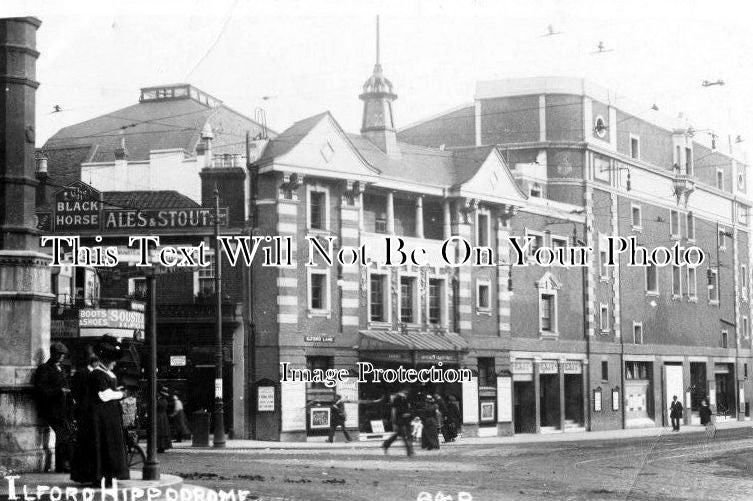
(101, 452)
(431, 418)
(164, 440)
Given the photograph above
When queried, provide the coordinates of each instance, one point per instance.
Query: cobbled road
(668, 467)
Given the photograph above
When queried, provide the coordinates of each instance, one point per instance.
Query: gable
(324, 151)
(493, 182)
(548, 283)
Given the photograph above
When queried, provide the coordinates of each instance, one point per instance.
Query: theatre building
(647, 333)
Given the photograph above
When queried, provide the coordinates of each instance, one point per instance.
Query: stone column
(420, 217)
(561, 374)
(537, 393)
(446, 219)
(24, 275)
(390, 213)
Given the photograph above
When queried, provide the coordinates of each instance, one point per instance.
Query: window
(559, 243)
(436, 300)
(380, 223)
(690, 226)
(689, 161)
(535, 190)
(137, 287)
(378, 300)
(713, 284)
(547, 312)
(742, 214)
(482, 228)
(483, 294)
(635, 147)
(408, 311)
(319, 363)
(604, 317)
(722, 240)
(745, 327)
(318, 289)
(318, 209)
(205, 277)
(692, 291)
(676, 282)
(487, 376)
(674, 224)
(636, 216)
(637, 332)
(724, 339)
(720, 179)
(603, 270)
(604, 370)
(637, 370)
(536, 243)
(652, 279)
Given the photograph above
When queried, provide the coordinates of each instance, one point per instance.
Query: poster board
(348, 389)
(320, 418)
(265, 399)
(470, 401)
(504, 399)
(293, 405)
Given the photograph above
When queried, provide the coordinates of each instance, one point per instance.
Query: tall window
(604, 370)
(604, 317)
(547, 307)
(483, 293)
(652, 279)
(536, 243)
(676, 283)
(692, 287)
(377, 298)
(720, 179)
(745, 327)
(317, 210)
(713, 284)
(635, 147)
(636, 216)
(637, 332)
(603, 270)
(486, 373)
(690, 226)
(689, 161)
(724, 339)
(408, 300)
(674, 224)
(722, 239)
(436, 300)
(318, 293)
(206, 279)
(482, 229)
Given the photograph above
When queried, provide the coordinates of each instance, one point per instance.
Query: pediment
(548, 282)
(494, 182)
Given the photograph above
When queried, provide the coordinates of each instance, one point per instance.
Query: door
(673, 386)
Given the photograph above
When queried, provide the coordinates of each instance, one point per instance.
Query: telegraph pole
(151, 465)
(219, 412)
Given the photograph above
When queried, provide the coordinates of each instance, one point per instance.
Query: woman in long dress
(164, 437)
(430, 415)
(101, 453)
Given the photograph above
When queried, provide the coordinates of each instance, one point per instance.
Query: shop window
(604, 317)
(318, 289)
(436, 300)
(652, 279)
(318, 208)
(637, 332)
(636, 216)
(483, 294)
(487, 377)
(712, 276)
(676, 282)
(137, 287)
(321, 363)
(690, 226)
(604, 370)
(408, 310)
(482, 228)
(378, 299)
(674, 224)
(692, 286)
(724, 339)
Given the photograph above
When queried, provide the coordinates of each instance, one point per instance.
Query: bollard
(200, 428)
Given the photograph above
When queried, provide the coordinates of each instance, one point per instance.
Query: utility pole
(151, 466)
(219, 411)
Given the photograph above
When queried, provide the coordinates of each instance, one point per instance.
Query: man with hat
(54, 404)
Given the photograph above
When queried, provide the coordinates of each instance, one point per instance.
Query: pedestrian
(431, 418)
(101, 451)
(454, 419)
(707, 419)
(337, 418)
(400, 415)
(417, 428)
(79, 385)
(55, 405)
(178, 421)
(675, 413)
(164, 440)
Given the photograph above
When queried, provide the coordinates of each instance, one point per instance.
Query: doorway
(549, 402)
(573, 399)
(525, 407)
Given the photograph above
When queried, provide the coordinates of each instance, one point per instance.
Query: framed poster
(319, 418)
(265, 399)
(377, 426)
(487, 411)
(597, 400)
(615, 399)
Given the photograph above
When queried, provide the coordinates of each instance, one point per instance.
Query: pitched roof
(168, 199)
(291, 136)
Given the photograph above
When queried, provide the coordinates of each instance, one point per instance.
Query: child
(417, 428)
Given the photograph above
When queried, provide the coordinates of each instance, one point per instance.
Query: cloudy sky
(298, 58)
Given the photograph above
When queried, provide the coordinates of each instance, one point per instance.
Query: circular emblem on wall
(600, 127)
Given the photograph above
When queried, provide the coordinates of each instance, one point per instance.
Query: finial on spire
(377, 40)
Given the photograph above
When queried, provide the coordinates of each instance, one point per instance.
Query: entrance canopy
(415, 347)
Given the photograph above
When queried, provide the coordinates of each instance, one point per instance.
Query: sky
(298, 58)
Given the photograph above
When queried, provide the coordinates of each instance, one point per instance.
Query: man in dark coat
(54, 404)
(337, 418)
(401, 417)
(675, 413)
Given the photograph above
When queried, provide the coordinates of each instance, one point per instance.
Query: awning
(411, 341)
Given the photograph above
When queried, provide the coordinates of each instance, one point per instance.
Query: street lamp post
(151, 466)
(219, 412)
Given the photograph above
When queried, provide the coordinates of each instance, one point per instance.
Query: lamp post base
(150, 470)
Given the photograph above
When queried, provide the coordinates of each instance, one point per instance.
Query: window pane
(316, 210)
(377, 298)
(435, 301)
(406, 300)
(317, 291)
(546, 312)
(483, 230)
(483, 296)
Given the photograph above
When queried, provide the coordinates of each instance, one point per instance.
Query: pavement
(524, 438)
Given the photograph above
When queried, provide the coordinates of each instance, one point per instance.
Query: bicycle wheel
(135, 456)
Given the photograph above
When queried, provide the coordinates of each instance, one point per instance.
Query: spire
(377, 96)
